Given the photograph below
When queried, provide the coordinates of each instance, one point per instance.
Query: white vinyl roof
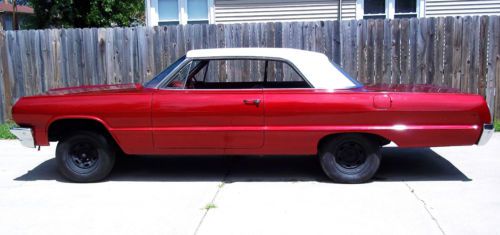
(316, 67)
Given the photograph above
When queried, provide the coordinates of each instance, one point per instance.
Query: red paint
(382, 101)
(285, 121)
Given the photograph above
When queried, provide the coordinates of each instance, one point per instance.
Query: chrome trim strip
(25, 135)
(488, 130)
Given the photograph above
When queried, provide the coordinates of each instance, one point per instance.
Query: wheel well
(380, 140)
(64, 127)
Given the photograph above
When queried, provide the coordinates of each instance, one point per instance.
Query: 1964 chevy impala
(248, 101)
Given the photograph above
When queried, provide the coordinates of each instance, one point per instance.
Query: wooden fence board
(493, 83)
(405, 51)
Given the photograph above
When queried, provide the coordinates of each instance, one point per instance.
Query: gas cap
(382, 101)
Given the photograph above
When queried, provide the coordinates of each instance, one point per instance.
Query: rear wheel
(85, 157)
(350, 158)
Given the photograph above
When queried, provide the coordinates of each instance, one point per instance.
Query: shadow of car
(397, 165)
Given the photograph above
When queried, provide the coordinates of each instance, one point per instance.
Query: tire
(85, 156)
(350, 158)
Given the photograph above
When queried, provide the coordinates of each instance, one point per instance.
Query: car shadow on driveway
(397, 165)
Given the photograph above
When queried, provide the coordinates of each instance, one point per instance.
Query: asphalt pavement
(453, 190)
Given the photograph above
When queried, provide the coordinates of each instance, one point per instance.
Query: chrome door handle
(253, 102)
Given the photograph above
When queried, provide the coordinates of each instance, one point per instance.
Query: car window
(226, 74)
(159, 78)
(178, 81)
(281, 75)
(236, 74)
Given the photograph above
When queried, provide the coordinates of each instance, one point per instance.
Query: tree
(86, 13)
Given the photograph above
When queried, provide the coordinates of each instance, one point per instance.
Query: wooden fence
(459, 52)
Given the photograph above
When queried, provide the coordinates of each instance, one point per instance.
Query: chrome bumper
(488, 130)
(25, 135)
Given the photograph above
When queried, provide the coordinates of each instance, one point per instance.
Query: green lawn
(497, 125)
(4, 130)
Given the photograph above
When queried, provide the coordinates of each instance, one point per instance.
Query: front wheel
(350, 158)
(85, 157)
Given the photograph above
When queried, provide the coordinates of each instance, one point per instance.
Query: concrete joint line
(412, 191)
(213, 198)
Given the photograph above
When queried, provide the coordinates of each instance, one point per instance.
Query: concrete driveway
(417, 191)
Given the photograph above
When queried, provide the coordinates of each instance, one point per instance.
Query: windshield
(341, 70)
(153, 83)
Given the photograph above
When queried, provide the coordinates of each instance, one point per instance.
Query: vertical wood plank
(370, 52)
(448, 52)
(412, 58)
(493, 82)
(378, 52)
(482, 50)
(466, 55)
(362, 32)
(387, 53)
(405, 51)
(457, 53)
(395, 52)
(439, 47)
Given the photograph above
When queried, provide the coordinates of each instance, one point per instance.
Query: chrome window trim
(189, 59)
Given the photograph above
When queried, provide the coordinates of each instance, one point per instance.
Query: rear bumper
(25, 135)
(488, 130)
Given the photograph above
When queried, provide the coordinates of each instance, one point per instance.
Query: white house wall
(435, 8)
(237, 11)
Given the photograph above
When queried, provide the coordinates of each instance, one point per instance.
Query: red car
(248, 101)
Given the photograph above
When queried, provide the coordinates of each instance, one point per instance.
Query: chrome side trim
(25, 135)
(488, 130)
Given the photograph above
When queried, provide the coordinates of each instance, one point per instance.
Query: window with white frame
(172, 12)
(197, 11)
(388, 9)
(168, 12)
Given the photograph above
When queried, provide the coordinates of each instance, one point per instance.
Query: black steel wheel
(350, 158)
(85, 157)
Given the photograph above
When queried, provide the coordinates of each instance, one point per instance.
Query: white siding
(434, 8)
(239, 11)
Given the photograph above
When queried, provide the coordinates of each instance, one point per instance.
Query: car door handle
(252, 102)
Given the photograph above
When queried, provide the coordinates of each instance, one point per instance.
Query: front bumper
(488, 130)
(25, 135)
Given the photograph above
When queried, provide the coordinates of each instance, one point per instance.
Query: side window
(179, 79)
(236, 74)
(227, 74)
(281, 75)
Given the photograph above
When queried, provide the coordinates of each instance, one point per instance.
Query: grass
(4, 130)
(497, 125)
(210, 206)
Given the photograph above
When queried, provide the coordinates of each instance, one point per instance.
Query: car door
(288, 118)
(204, 109)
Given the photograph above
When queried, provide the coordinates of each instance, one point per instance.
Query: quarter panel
(297, 119)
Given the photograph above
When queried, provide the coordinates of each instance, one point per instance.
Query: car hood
(115, 88)
(421, 88)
